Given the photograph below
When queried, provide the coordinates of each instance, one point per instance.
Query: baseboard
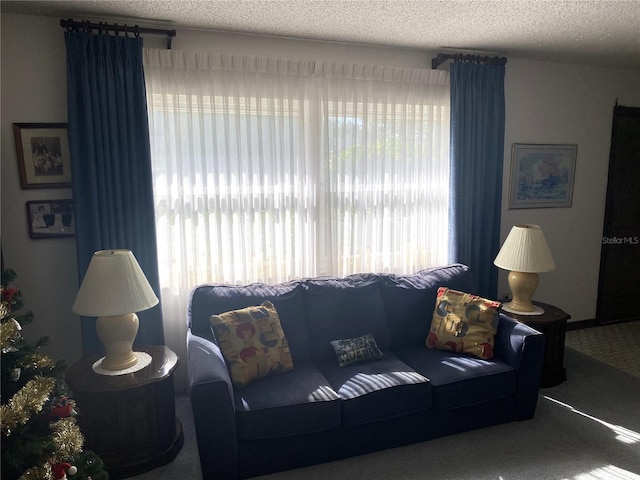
(580, 324)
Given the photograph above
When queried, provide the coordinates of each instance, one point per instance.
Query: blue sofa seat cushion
(459, 380)
(377, 389)
(293, 403)
(337, 308)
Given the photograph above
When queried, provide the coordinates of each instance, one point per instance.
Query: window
(268, 170)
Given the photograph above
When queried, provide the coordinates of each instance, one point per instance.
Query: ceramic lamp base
(117, 334)
(523, 285)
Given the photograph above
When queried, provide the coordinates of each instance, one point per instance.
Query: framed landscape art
(43, 155)
(542, 175)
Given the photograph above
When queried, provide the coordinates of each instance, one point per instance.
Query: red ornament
(63, 408)
(62, 411)
(8, 293)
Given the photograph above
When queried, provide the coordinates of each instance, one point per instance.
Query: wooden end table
(129, 420)
(553, 324)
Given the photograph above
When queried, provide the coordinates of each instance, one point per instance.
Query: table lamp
(525, 253)
(114, 289)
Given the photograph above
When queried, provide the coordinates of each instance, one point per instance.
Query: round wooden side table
(129, 420)
(553, 324)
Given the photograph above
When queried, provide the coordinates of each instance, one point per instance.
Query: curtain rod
(72, 25)
(461, 57)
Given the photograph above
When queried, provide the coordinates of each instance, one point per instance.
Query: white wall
(550, 103)
(34, 90)
(546, 103)
(198, 40)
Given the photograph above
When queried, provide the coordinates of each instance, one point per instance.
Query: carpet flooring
(587, 428)
(616, 345)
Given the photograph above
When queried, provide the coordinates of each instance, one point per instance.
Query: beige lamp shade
(525, 250)
(525, 253)
(113, 285)
(113, 289)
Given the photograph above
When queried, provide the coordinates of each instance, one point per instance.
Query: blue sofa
(320, 412)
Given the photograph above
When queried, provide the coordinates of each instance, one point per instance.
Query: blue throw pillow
(353, 350)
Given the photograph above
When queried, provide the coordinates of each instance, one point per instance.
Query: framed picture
(43, 155)
(542, 175)
(51, 218)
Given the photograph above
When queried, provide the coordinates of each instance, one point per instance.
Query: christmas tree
(40, 437)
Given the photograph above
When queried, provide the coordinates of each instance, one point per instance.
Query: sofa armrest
(521, 347)
(212, 403)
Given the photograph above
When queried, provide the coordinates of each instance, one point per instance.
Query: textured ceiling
(596, 32)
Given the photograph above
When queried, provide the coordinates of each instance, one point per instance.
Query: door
(619, 285)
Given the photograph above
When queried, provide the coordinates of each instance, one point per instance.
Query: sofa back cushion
(409, 300)
(207, 300)
(338, 308)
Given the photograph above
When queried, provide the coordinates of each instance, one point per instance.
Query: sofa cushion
(338, 308)
(352, 350)
(252, 342)
(207, 300)
(294, 403)
(377, 390)
(463, 323)
(409, 300)
(460, 380)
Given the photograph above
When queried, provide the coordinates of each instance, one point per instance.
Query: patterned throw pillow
(252, 342)
(463, 323)
(351, 350)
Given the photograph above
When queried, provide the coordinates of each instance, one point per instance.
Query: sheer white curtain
(268, 169)
(384, 163)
